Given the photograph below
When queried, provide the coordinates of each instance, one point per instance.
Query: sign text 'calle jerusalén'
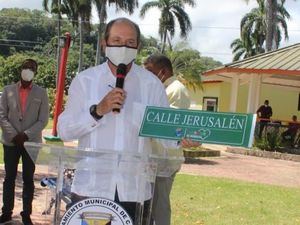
(207, 127)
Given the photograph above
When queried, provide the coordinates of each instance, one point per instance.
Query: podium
(98, 186)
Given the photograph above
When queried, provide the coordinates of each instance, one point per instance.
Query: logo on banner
(96, 211)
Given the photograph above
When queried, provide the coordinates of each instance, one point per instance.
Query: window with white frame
(210, 104)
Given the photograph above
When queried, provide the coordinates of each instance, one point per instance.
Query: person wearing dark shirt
(292, 130)
(264, 113)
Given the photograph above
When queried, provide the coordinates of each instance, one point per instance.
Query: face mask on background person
(120, 54)
(27, 75)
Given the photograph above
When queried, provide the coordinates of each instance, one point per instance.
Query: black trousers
(262, 125)
(132, 208)
(12, 155)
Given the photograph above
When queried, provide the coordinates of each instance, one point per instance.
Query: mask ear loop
(161, 77)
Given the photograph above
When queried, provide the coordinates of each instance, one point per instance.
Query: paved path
(247, 168)
(39, 201)
(240, 167)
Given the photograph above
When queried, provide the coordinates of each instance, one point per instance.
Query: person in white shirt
(177, 93)
(178, 97)
(89, 115)
(90, 118)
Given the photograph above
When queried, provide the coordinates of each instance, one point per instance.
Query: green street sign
(235, 129)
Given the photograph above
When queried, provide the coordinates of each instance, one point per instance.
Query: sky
(215, 23)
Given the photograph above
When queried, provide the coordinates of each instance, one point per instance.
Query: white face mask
(27, 75)
(120, 54)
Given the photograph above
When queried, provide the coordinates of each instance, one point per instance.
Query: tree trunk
(100, 35)
(271, 8)
(164, 42)
(169, 42)
(98, 52)
(80, 45)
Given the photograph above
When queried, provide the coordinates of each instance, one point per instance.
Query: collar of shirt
(128, 75)
(27, 88)
(169, 81)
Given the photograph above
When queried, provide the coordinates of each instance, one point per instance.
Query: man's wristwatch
(93, 112)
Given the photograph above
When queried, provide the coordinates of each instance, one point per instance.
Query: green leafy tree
(170, 11)
(148, 46)
(55, 8)
(2, 63)
(254, 31)
(23, 30)
(88, 59)
(188, 65)
(275, 16)
(10, 72)
(242, 49)
(78, 12)
(84, 11)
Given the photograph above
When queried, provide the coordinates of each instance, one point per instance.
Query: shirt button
(93, 125)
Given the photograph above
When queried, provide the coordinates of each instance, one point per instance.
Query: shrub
(271, 141)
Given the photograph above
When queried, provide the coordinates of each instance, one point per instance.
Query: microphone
(121, 73)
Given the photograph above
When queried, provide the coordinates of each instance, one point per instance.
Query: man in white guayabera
(102, 116)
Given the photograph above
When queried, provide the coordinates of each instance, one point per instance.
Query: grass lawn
(215, 201)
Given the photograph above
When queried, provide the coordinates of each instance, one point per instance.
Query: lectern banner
(235, 129)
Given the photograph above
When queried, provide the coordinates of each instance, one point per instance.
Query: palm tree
(101, 5)
(252, 35)
(84, 8)
(78, 12)
(170, 9)
(270, 17)
(242, 49)
(254, 28)
(55, 9)
(274, 9)
(187, 65)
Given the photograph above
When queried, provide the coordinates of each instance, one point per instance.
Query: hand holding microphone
(121, 73)
(114, 100)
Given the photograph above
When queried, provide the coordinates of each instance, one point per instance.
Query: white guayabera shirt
(117, 132)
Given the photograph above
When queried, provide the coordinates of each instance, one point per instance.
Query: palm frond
(147, 6)
(183, 20)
